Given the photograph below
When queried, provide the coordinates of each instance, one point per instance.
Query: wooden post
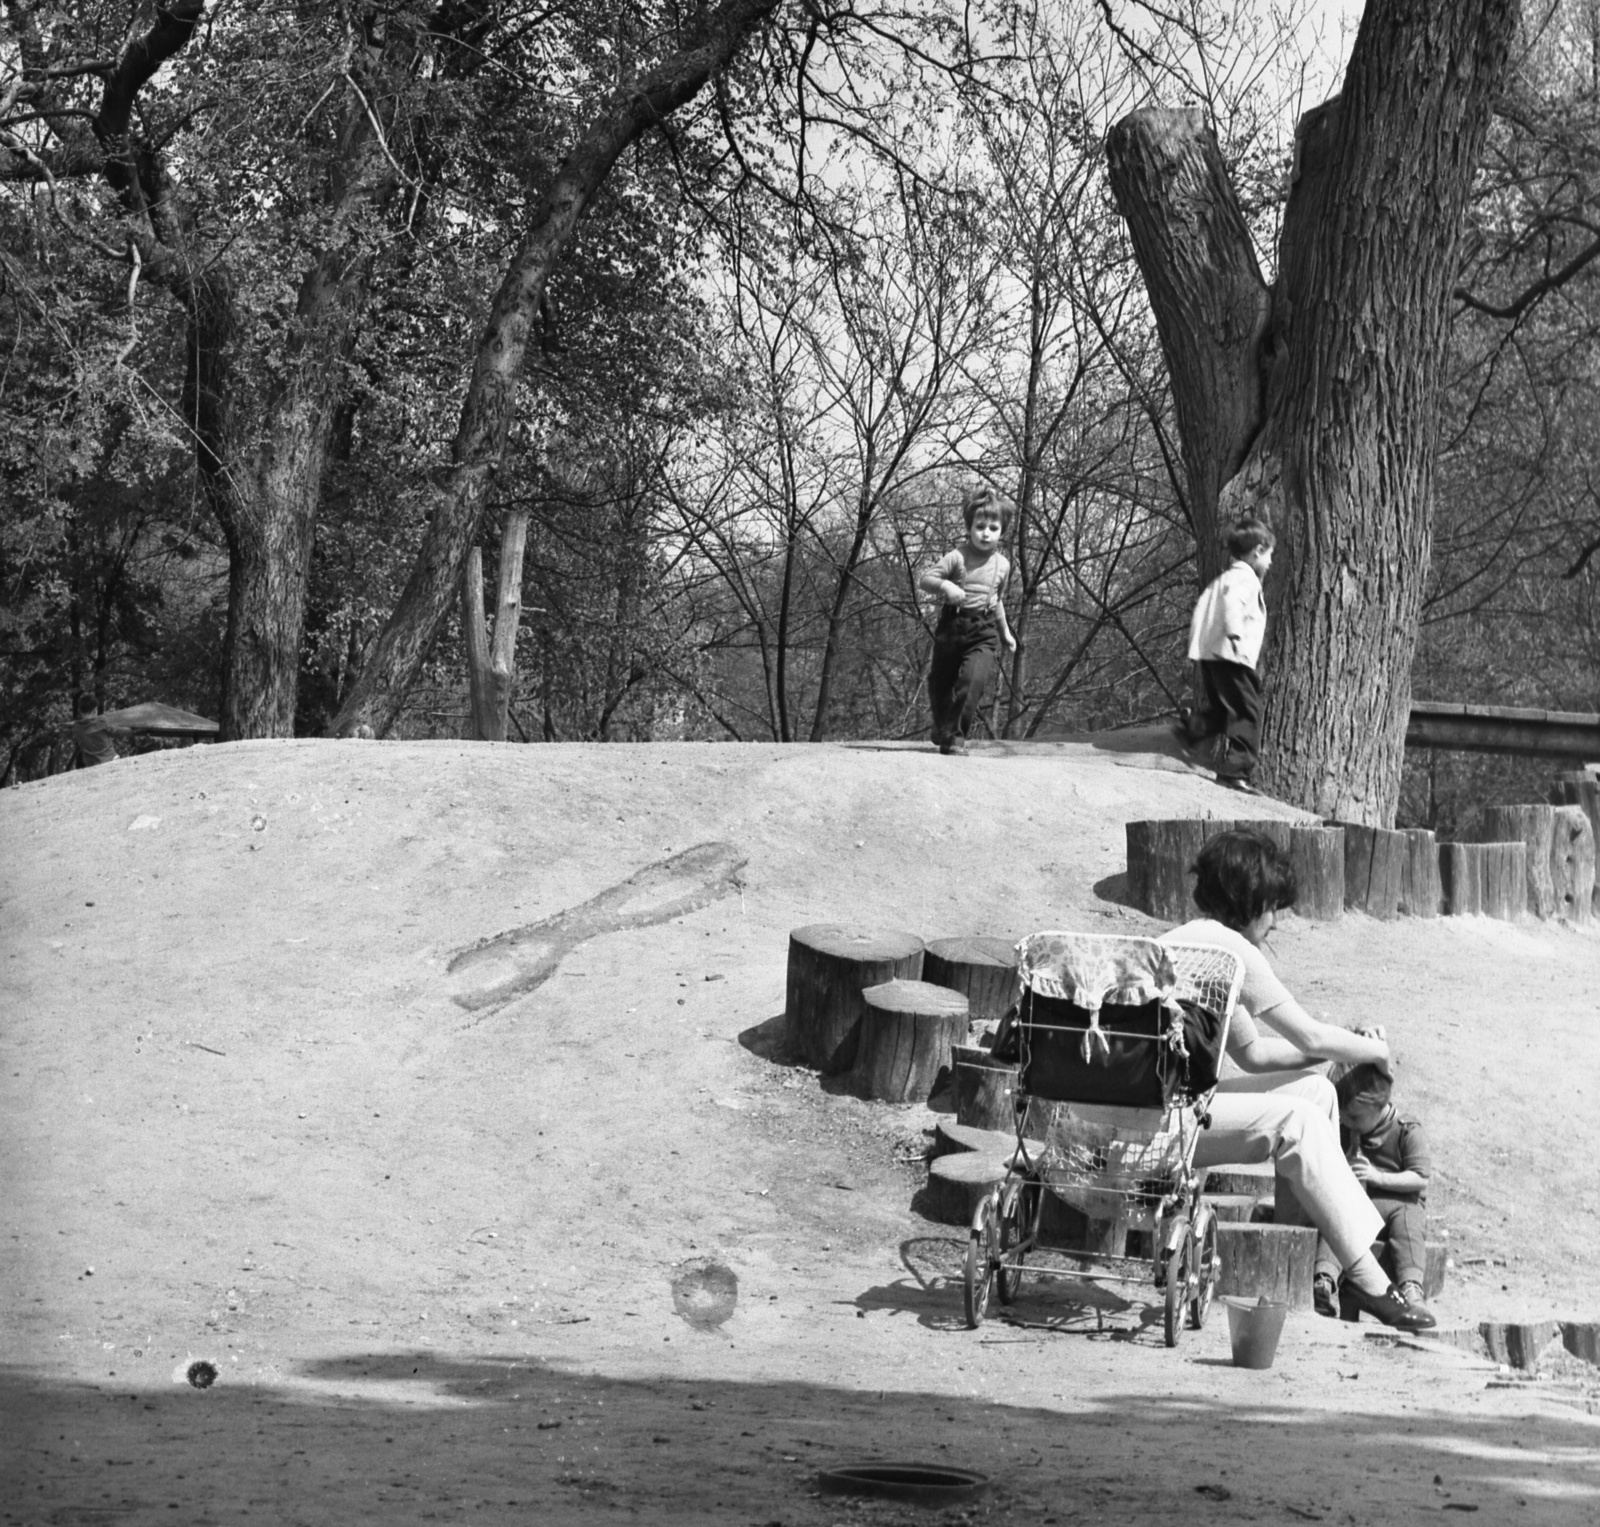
(956, 1183)
(829, 967)
(1580, 788)
(1374, 867)
(1159, 858)
(1281, 833)
(985, 1089)
(1421, 893)
(1485, 878)
(983, 969)
(1274, 1261)
(907, 1028)
(1572, 864)
(1317, 855)
(1535, 826)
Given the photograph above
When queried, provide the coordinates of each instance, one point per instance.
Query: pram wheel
(1019, 1213)
(982, 1249)
(1176, 1267)
(1204, 1240)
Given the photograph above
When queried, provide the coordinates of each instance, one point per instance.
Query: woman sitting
(1283, 1109)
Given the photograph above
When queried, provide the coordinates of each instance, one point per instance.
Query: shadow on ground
(413, 1436)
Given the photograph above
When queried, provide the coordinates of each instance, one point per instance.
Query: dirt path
(398, 1080)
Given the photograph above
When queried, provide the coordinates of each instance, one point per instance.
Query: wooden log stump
(1160, 856)
(829, 967)
(1271, 1261)
(1374, 867)
(1233, 1208)
(1280, 833)
(956, 1185)
(1572, 864)
(1421, 891)
(1579, 788)
(950, 1137)
(1582, 1339)
(1534, 826)
(984, 970)
(985, 1089)
(1255, 1181)
(1437, 1265)
(1489, 879)
(907, 1028)
(1518, 1343)
(1317, 855)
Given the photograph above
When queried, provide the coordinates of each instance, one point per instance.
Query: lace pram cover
(1106, 1161)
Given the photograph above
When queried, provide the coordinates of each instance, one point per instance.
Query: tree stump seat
(1267, 1261)
(957, 1184)
(984, 970)
(830, 965)
(907, 1029)
(985, 1088)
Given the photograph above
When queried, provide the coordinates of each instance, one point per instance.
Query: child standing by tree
(971, 582)
(1225, 640)
(1389, 1156)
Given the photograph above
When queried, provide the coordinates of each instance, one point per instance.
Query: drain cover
(922, 1484)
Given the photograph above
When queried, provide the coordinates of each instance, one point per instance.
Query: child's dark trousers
(966, 647)
(1233, 709)
(1402, 1248)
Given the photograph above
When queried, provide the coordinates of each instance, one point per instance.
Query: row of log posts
(1537, 860)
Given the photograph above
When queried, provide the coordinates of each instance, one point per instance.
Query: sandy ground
(283, 1089)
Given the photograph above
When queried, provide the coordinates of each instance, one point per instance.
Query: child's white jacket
(1231, 618)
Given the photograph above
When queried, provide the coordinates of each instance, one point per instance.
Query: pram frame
(1183, 1228)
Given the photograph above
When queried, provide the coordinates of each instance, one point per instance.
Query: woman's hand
(1372, 1031)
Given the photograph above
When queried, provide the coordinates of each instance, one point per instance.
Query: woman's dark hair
(1249, 535)
(1239, 875)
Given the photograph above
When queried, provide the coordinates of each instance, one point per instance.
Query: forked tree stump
(829, 967)
(907, 1028)
(984, 970)
(1421, 891)
(1560, 860)
(1490, 879)
(1317, 856)
(1572, 864)
(1374, 868)
(985, 1089)
(1271, 1261)
(957, 1183)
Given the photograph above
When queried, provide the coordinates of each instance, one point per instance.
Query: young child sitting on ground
(1225, 635)
(1389, 1154)
(971, 581)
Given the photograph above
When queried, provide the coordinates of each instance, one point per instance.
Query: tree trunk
(492, 661)
(455, 501)
(1331, 433)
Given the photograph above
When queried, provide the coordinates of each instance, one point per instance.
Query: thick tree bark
(455, 502)
(1339, 452)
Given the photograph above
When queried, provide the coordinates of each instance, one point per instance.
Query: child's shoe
(1325, 1295)
(1411, 1291)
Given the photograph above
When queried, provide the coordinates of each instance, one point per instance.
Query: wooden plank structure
(907, 1028)
(1503, 729)
(1560, 857)
(1374, 868)
(829, 967)
(984, 970)
(1490, 879)
(1421, 891)
(1317, 857)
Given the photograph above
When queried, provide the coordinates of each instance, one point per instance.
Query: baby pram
(1118, 1041)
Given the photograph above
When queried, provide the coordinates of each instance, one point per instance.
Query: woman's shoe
(1390, 1307)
